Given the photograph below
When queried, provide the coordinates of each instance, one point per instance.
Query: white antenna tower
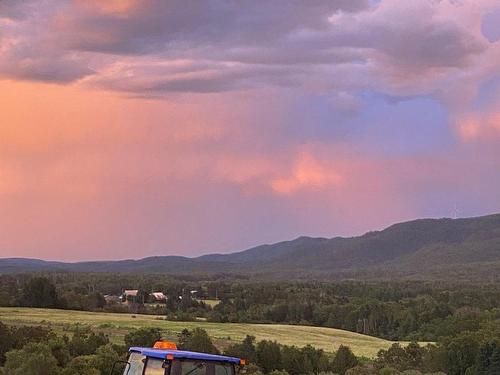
(455, 211)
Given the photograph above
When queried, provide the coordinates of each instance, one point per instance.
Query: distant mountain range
(447, 249)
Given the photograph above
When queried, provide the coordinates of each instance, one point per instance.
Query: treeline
(33, 350)
(395, 311)
(39, 351)
(477, 354)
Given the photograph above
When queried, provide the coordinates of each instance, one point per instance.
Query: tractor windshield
(138, 364)
(141, 365)
(194, 367)
(155, 366)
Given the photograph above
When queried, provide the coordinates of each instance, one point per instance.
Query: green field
(117, 325)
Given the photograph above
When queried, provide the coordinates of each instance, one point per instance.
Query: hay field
(117, 325)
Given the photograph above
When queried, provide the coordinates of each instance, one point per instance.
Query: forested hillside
(450, 249)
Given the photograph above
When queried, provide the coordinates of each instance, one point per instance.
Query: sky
(131, 128)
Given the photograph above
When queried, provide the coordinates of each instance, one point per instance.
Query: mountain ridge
(409, 249)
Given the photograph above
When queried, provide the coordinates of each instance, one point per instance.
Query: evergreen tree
(494, 365)
(244, 350)
(293, 361)
(268, 356)
(39, 292)
(248, 348)
(183, 338)
(198, 341)
(6, 341)
(344, 360)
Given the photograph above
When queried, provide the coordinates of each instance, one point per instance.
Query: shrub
(142, 337)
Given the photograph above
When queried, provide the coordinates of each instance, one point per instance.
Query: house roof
(182, 354)
(131, 292)
(158, 295)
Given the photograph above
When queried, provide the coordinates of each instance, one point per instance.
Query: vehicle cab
(165, 359)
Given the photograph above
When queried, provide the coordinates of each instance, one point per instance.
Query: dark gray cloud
(411, 40)
(155, 47)
(153, 79)
(19, 10)
(28, 47)
(181, 24)
(29, 65)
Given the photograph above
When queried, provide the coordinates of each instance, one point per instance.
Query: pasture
(117, 325)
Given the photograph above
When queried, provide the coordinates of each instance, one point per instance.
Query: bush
(60, 350)
(85, 342)
(105, 357)
(145, 337)
(33, 359)
(83, 365)
(278, 372)
(197, 340)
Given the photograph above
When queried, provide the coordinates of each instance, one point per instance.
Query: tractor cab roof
(182, 354)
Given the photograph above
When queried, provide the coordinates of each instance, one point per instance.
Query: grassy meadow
(117, 325)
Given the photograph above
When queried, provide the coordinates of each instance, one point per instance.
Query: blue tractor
(165, 359)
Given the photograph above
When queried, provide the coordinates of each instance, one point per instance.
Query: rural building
(157, 297)
(129, 295)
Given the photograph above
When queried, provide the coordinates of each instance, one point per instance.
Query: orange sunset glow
(138, 128)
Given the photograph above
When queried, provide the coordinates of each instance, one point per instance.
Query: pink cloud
(307, 174)
(109, 7)
(480, 127)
